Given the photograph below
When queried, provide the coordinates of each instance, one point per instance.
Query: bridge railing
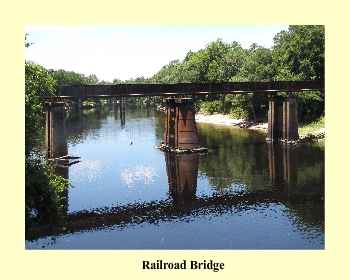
(124, 90)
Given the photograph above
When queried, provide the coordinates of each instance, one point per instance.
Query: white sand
(226, 120)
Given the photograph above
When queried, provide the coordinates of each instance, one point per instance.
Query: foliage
(38, 81)
(42, 184)
(69, 78)
(42, 194)
(299, 53)
(311, 127)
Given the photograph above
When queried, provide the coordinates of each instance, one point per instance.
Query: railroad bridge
(180, 128)
(182, 170)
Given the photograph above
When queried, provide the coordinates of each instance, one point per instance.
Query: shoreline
(220, 119)
(227, 120)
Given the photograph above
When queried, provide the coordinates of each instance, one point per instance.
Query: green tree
(38, 81)
(70, 78)
(93, 80)
(170, 73)
(299, 54)
(42, 184)
(255, 67)
(117, 81)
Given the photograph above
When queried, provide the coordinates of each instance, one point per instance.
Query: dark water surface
(243, 194)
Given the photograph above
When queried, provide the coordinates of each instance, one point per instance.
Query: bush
(42, 194)
(211, 107)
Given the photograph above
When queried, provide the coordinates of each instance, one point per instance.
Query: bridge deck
(125, 90)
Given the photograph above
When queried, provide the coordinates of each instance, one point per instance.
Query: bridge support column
(180, 125)
(282, 119)
(55, 130)
(122, 111)
(80, 103)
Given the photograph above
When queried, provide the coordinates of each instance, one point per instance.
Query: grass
(311, 127)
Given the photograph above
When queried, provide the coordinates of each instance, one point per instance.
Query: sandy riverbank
(319, 135)
(262, 126)
(226, 120)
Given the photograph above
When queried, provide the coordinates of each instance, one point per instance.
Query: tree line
(297, 54)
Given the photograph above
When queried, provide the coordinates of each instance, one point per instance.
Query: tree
(42, 184)
(298, 54)
(38, 81)
(70, 78)
(92, 79)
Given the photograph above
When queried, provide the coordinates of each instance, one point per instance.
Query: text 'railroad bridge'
(180, 127)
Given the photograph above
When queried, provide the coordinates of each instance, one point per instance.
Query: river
(244, 193)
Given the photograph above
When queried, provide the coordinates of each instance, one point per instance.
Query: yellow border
(18, 263)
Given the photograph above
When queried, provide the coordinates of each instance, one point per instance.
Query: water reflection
(283, 164)
(182, 176)
(144, 173)
(242, 176)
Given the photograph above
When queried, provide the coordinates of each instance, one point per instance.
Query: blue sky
(132, 51)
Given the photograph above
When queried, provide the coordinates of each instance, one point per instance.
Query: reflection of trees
(307, 214)
(235, 157)
(296, 172)
(83, 124)
(242, 157)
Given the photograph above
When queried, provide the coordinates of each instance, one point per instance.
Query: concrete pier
(282, 119)
(180, 126)
(122, 111)
(55, 130)
(80, 103)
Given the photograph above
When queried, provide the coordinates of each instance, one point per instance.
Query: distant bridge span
(130, 90)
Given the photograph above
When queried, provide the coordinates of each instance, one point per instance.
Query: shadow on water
(289, 184)
(267, 173)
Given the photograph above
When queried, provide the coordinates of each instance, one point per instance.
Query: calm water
(242, 194)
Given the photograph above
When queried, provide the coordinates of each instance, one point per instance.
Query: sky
(131, 51)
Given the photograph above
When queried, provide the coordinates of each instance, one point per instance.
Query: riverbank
(310, 132)
(314, 131)
(227, 120)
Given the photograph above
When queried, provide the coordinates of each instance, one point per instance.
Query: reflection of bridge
(180, 127)
(182, 171)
